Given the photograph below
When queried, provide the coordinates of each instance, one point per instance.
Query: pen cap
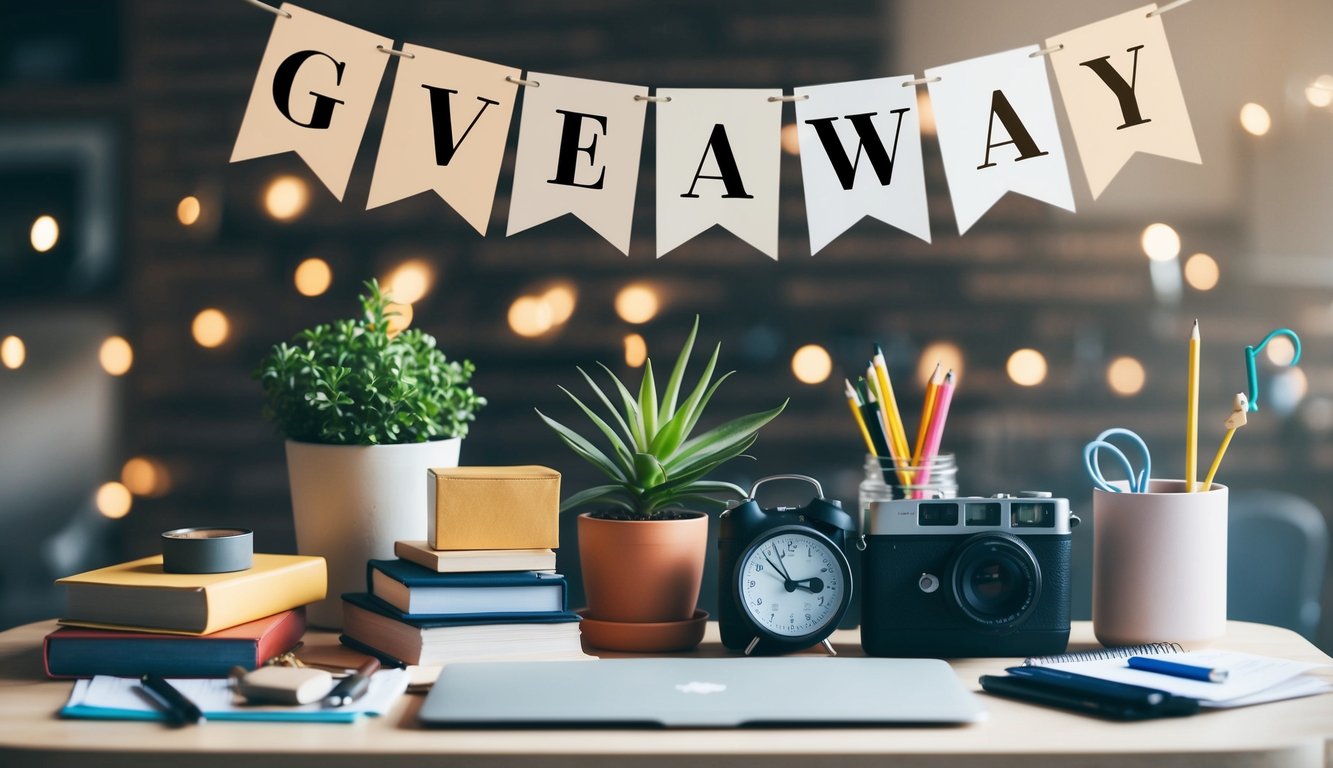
(1159, 565)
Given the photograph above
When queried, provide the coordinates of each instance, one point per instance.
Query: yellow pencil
(854, 403)
(1235, 421)
(932, 388)
(899, 461)
(1192, 413)
(897, 435)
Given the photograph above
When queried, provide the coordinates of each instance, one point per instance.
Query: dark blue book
(418, 591)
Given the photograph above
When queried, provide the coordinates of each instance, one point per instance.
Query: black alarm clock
(784, 582)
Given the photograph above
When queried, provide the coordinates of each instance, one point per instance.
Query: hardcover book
(420, 591)
(79, 652)
(140, 595)
(471, 560)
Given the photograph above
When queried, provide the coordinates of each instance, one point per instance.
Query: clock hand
(787, 582)
(778, 552)
(814, 585)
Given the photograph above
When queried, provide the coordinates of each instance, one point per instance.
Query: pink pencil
(935, 432)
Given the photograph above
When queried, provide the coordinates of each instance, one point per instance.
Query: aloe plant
(654, 464)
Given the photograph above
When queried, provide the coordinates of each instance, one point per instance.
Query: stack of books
(134, 618)
(432, 607)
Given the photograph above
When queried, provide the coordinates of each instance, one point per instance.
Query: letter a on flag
(718, 153)
(861, 156)
(313, 95)
(1121, 93)
(446, 130)
(996, 124)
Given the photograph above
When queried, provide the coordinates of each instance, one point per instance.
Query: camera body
(745, 524)
(974, 576)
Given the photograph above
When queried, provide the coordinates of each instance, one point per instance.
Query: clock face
(793, 584)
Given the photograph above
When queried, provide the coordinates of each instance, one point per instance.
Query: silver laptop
(700, 693)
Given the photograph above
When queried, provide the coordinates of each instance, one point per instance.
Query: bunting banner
(861, 156)
(1122, 94)
(718, 150)
(578, 152)
(313, 95)
(446, 129)
(718, 154)
(996, 123)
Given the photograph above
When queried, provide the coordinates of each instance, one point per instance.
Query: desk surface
(1296, 732)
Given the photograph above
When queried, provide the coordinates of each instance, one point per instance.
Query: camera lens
(995, 579)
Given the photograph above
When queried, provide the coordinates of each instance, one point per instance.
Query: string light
(529, 316)
(44, 234)
(1026, 367)
(1125, 376)
(12, 352)
(188, 210)
(1255, 120)
(286, 197)
(636, 303)
(636, 350)
(562, 298)
(399, 318)
(811, 364)
(210, 328)
(946, 354)
(1160, 242)
(144, 476)
(1201, 272)
(114, 500)
(312, 277)
(116, 356)
(409, 282)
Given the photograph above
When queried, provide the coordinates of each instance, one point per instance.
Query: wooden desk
(1288, 733)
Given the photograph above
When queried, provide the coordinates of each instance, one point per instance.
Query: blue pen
(1176, 669)
(1109, 690)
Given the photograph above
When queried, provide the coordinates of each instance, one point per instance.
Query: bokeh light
(286, 197)
(144, 476)
(188, 210)
(926, 112)
(811, 364)
(529, 316)
(116, 356)
(1160, 242)
(636, 350)
(636, 303)
(1280, 350)
(114, 500)
(947, 354)
(44, 234)
(210, 328)
(312, 277)
(562, 298)
(1125, 376)
(1255, 119)
(12, 352)
(399, 318)
(1201, 272)
(409, 282)
(791, 139)
(1026, 367)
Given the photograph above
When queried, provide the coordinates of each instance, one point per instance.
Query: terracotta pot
(642, 570)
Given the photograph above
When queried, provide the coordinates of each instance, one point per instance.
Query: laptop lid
(700, 693)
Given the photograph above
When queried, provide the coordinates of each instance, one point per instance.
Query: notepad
(1251, 680)
(119, 698)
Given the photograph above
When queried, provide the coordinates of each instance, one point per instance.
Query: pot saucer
(643, 636)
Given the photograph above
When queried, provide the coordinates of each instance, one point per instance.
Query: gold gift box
(494, 508)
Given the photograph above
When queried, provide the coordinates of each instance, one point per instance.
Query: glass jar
(884, 481)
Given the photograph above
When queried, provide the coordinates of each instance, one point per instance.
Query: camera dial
(995, 580)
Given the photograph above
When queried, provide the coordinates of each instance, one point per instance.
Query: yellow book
(140, 594)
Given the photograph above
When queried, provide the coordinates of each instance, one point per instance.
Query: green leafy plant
(356, 382)
(654, 465)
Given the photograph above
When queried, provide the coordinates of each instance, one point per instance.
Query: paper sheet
(1251, 679)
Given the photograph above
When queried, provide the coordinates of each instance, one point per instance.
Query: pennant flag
(578, 152)
(1121, 93)
(446, 130)
(718, 152)
(313, 94)
(996, 124)
(861, 156)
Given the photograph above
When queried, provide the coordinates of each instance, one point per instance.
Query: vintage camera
(972, 576)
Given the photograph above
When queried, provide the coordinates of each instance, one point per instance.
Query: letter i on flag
(718, 153)
(861, 156)
(1121, 93)
(997, 130)
(578, 152)
(446, 130)
(313, 94)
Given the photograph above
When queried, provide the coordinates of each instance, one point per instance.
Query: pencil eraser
(284, 685)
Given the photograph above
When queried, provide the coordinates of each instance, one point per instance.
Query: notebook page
(1248, 674)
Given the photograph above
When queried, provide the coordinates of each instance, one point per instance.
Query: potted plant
(642, 547)
(366, 409)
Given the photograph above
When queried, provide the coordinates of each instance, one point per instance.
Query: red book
(78, 652)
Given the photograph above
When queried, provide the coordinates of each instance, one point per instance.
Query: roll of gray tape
(207, 550)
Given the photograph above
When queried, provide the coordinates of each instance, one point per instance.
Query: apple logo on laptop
(695, 686)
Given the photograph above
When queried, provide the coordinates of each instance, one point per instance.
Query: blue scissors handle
(1091, 460)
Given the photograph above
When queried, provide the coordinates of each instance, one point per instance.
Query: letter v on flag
(996, 124)
(446, 130)
(578, 152)
(861, 156)
(1122, 94)
(313, 95)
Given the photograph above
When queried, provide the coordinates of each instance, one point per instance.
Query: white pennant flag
(1121, 93)
(578, 152)
(313, 94)
(446, 130)
(718, 152)
(861, 156)
(996, 123)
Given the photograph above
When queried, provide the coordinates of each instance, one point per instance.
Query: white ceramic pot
(350, 504)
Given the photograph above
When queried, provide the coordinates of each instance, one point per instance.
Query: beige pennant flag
(578, 152)
(1122, 94)
(446, 130)
(313, 94)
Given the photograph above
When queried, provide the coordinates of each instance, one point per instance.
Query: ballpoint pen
(353, 686)
(1176, 669)
(178, 708)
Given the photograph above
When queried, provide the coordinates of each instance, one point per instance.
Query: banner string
(390, 51)
(522, 82)
(269, 8)
(1174, 4)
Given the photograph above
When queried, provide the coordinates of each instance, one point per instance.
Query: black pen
(1135, 695)
(352, 687)
(178, 708)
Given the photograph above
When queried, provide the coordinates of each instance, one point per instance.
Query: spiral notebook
(1251, 680)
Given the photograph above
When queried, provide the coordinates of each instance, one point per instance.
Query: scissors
(1137, 483)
